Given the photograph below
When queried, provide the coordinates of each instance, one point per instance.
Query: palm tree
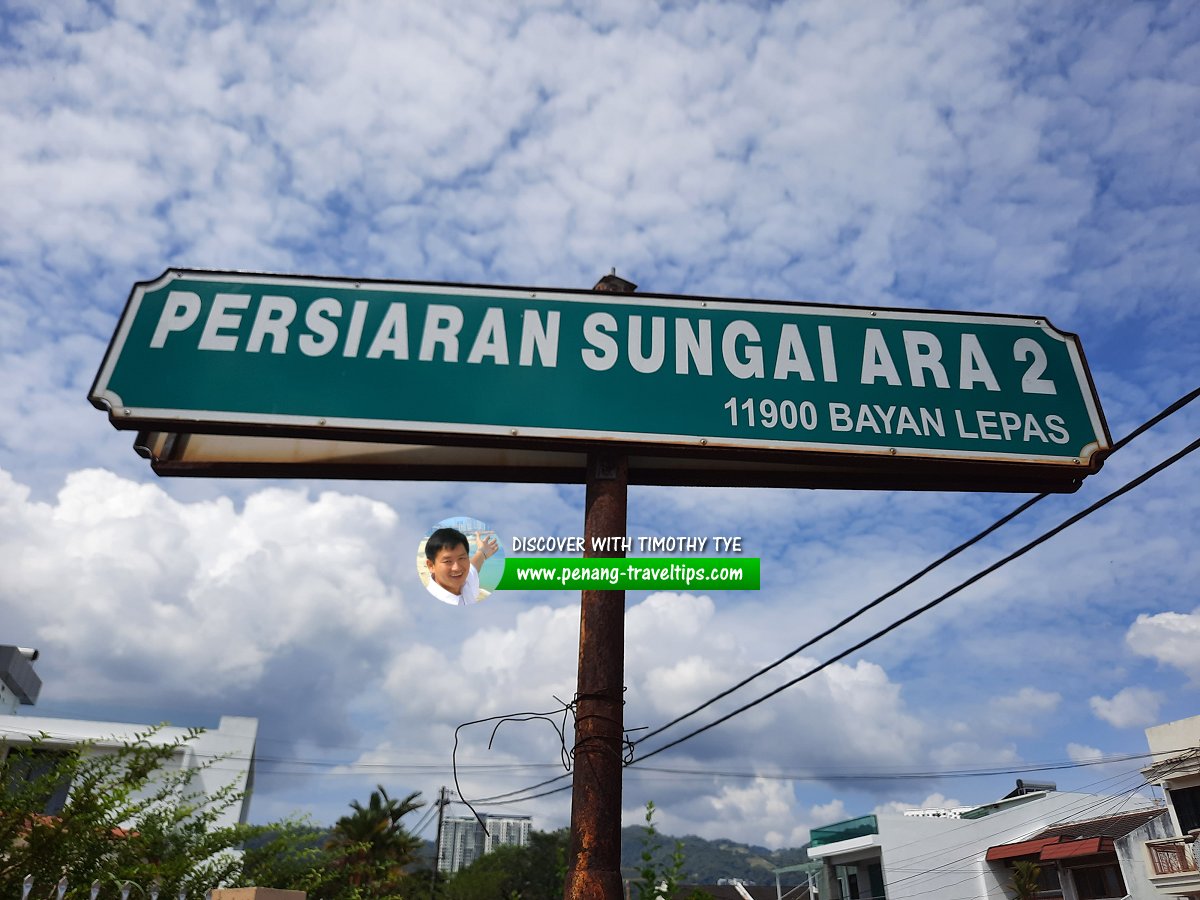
(1024, 881)
(373, 841)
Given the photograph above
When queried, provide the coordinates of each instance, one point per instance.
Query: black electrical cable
(1041, 539)
(424, 821)
(850, 618)
(1004, 520)
(897, 776)
(566, 708)
(565, 787)
(1183, 401)
(903, 776)
(533, 787)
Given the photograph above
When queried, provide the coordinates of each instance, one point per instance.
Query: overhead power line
(516, 800)
(513, 797)
(920, 775)
(937, 601)
(1004, 520)
(908, 582)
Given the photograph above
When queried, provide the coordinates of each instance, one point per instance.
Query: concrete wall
(256, 893)
(1173, 738)
(1131, 854)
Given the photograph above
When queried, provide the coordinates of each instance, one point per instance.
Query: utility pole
(437, 844)
(594, 860)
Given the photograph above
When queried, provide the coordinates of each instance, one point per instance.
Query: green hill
(706, 861)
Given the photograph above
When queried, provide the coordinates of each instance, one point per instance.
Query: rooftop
(1105, 826)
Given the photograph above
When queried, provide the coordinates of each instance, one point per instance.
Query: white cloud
(115, 580)
(972, 754)
(1028, 701)
(931, 801)
(1022, 712)
(491, 671)
(761, 811)
(1083, 753)
(808, 147)
(680, 650)
(677, 655)
(907, 156)
(1128, 708)
(1169, 637)
(764, 801)
(828, 813)
(1116, 771)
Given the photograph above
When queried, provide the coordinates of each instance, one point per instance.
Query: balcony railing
(843, 831)
(1172, 857)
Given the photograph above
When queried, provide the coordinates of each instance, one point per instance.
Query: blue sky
(1020, 157)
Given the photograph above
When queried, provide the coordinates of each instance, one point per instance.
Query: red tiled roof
(1106, 826)
(1083, 847)
(1070, 839)
(44, 819)
(1021, 848)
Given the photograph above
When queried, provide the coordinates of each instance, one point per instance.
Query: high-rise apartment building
(463, 840)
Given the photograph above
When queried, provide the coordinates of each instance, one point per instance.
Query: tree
(114, 816)
(1025, 877)
(533, 872)
(291, 855)
(110, 816)
(659, 878)
(372, 845)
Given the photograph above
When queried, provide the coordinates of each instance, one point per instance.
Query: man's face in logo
(450, 568)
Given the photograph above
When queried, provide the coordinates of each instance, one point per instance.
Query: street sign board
(543, 369)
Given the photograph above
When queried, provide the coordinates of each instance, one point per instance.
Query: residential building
(218, 758)
(1073, 837)
(1089, 859)
(1175, 767)
(463, 840)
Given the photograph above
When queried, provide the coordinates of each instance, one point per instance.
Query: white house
(1071, 836)
(1175, 767)
(219, 757)
(1086, 847)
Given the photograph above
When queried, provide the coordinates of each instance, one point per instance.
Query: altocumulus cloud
(1029, 158)
(732, 150)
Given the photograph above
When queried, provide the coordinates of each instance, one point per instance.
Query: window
(1048, 882)
(847, 877)
(1099, 882)
(1048, 885)
(860, 881)
(1187, 807)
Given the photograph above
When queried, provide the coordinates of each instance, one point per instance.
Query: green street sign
(233, 353)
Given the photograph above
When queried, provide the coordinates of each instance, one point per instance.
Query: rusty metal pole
(594, 863)
(595, 857)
